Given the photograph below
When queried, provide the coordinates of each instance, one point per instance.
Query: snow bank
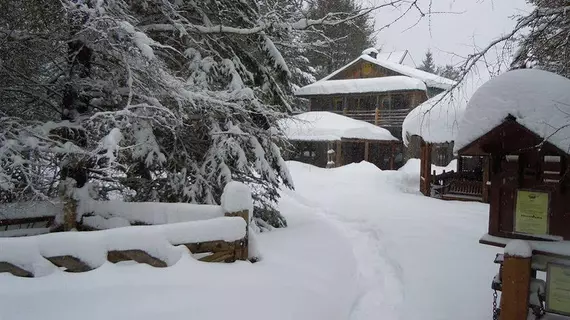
(539, 100)
(431, 80)
(92, 247)
(307, 272)
(145, 212)
(413, 166)
(30, 209)
(368, 85)
(437, 119)
(328, 126)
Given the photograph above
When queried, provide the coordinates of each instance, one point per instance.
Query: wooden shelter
(374, 89)
(429, 132)
(519, 123)
(327, 139)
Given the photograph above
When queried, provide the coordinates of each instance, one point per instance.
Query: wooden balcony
(384, 118)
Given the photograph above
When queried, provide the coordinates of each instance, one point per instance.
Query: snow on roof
(328, 126)
(431, 80)
(437, 119)
(366, 85)
(539, 100)
(370, 50)
(393, 56)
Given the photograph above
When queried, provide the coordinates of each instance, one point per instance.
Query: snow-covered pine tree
(546, 44)
(336, 45)
(150, 100)
(428, 64)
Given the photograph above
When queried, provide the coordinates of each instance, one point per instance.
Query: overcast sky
(474, 22)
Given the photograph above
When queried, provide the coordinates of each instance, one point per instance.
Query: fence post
(69, 204)
(516, 280)
(377, 116)
(238, 202)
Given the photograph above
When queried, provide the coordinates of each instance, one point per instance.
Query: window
(338, 104)
(400, 101)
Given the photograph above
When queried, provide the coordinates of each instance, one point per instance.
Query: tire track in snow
(381, 290)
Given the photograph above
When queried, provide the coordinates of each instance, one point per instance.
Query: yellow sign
(531, 212)
(367, 68)
(558, 289)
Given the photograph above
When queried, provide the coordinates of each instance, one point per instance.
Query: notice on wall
(531, 212)
(558, 289)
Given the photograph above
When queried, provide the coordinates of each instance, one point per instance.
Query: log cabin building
(326, 139)
(374, 89)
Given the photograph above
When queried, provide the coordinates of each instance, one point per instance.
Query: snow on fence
(216, 234)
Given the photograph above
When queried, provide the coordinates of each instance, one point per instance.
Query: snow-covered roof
(328, 126)
(539, 100)
(393, 56)
(365, 85)
(431, 80)
(437, 119)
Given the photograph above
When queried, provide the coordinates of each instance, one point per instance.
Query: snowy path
(419, 258)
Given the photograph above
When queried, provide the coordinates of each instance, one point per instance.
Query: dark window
(400, 101)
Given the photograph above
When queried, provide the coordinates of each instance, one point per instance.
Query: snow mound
(30, 209)
(145, 212)
(539, 100)
(383, 84)
(328, 126)
(237, 197)
(437, 119)
(518, 248)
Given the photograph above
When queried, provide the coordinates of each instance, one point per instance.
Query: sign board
(558, 289)
(531, 212)
(367, 68)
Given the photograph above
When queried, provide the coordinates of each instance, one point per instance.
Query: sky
(450, 35)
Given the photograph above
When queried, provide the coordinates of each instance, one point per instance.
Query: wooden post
(338, 161)
(241, 247)
(459, 164)
(392, 151)
(516, 281)
(377, 116)
(486, 179)
(69, 214)
(366, 150)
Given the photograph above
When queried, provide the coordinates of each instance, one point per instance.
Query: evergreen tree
(335, 46)
(545, 45)
(428, 64)
(149, 100)
(449, 71)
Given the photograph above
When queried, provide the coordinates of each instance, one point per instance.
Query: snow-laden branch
(328, 20)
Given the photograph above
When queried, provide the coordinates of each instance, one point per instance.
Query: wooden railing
(379, 117)
(458, 186)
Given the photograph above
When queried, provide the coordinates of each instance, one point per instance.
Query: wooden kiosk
(525, 139)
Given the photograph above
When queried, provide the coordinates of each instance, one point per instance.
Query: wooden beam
(366, 150)
(338, 161)
(15, 270)
(516, 276)
(486, 179)
(392, 151)
(70, 263)
(137, 255)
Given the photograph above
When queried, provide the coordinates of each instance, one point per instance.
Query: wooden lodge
(374, 89)
(518, 122)
(326, 139)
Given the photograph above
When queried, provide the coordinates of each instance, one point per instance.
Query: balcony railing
(379, 117)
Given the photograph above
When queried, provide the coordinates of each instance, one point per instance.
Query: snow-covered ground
(418, 258)
(361, 244)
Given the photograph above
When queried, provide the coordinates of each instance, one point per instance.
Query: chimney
(371, 52)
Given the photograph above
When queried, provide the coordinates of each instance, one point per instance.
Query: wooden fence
(222, 238)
